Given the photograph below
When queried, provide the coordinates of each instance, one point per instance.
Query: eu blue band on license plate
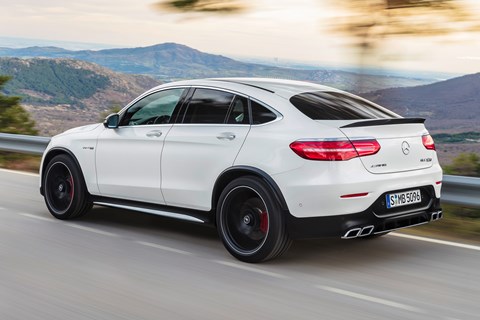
(403, 198)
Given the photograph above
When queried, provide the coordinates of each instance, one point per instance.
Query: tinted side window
(260, 114)
(156, 108)
(208, 106)
(239, 111)
(337, 106)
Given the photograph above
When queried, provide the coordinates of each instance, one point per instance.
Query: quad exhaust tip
(436, 216)
(358, 232)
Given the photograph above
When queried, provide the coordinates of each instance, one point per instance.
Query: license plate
(403, 198)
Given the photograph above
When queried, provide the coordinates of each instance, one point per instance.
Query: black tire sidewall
(77, 204)
(276, 228)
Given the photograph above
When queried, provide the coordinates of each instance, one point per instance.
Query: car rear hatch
(404, 143)
(401, 144)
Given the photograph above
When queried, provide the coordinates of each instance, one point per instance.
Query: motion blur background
(69, 63)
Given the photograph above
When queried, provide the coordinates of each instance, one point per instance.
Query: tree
(13, 118)
(204, 6)
(369, 22)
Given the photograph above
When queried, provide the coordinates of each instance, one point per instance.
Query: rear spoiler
(383, 122)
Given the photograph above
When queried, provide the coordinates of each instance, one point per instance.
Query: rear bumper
(316, 189)
(360, 224)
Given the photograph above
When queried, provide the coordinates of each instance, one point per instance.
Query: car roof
(282, 87)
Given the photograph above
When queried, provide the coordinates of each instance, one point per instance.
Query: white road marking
(251, 269)
(77, 226)
(37, 217)
(20, 172)
(158, 246)
(370, 299)
(447, 243)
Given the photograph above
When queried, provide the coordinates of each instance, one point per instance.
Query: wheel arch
(235, 172)
(49, 156)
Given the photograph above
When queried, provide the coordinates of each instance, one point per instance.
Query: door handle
(226, 136)
(154, 133)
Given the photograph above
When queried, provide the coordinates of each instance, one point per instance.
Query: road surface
(116, 264)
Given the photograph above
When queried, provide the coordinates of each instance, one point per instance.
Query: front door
(128, 157)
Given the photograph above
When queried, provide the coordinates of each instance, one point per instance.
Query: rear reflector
(334, 150)
(354, 195)
(438, 182)
(428, 142)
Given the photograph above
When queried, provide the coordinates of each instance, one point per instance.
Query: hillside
(449, 106)
(63, 93)
(170, 61)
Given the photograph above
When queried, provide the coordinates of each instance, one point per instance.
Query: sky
(287, 30)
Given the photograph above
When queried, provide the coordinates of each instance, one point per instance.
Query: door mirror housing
(111, 122)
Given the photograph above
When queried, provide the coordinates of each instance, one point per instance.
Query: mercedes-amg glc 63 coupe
(265, 161)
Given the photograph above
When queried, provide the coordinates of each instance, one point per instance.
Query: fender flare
(57, 150)
(237, 171)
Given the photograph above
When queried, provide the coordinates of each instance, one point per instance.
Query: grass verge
(20, 162)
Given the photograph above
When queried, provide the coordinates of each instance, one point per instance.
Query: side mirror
(111, 121)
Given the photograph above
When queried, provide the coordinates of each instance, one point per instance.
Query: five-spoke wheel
(65, 192)
(250, 221)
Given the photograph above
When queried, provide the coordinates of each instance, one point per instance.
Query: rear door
(205, 142)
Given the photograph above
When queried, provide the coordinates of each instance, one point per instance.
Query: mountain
(449, 106)
(63, 93)
(171, 61)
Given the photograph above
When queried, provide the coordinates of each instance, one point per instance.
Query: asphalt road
(115, 264)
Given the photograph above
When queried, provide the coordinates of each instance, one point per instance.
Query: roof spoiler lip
(383, 122)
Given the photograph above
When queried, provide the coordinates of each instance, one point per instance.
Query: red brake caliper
(70, 181)
(264, 221)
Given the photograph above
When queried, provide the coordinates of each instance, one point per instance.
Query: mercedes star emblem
(405, 148)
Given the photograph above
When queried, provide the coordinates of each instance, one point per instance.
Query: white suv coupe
(265, 161)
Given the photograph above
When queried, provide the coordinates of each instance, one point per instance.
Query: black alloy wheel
(250, 221)
(65, 193)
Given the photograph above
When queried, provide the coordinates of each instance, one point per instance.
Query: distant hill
(171, 61)
(63, 93)
(449, 106)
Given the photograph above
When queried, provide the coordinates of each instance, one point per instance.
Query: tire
(250, 221)
(65, 192)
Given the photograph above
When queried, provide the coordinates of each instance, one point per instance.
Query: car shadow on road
(317, 253)
(147, 223)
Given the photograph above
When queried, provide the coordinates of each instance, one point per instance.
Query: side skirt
(195, 216)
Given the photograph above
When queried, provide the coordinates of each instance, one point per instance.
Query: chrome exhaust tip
(352, 233)
(436, 216)
(366, 231)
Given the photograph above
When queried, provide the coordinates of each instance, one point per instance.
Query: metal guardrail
(23, 143)
(463, 191)
(458, 190)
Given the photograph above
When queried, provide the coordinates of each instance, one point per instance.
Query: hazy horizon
(287, 31)
(19, 43)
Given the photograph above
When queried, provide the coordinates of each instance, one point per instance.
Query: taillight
(428, 142)
(334, 150)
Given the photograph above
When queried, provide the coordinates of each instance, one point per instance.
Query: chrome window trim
(153, 91)
(277, 113)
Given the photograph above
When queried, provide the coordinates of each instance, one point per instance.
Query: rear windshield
(323, 105)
